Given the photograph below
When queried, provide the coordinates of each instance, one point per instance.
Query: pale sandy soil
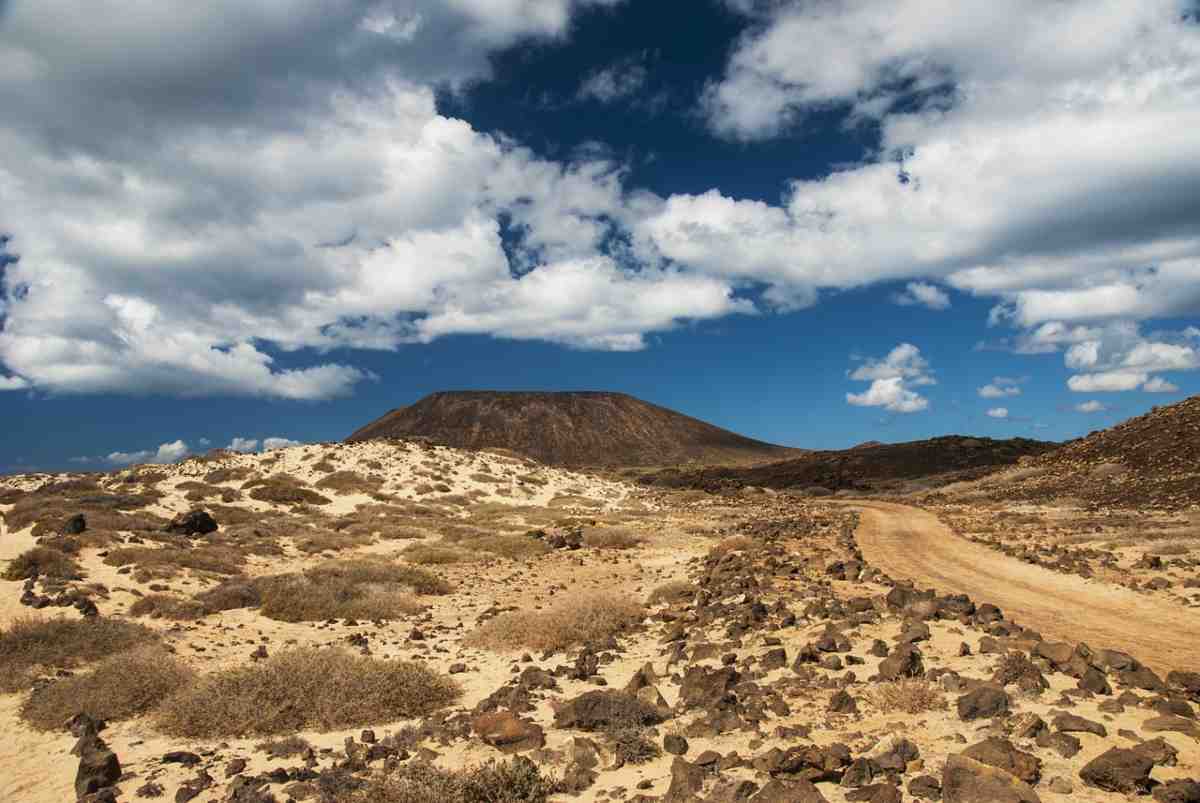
(679, 530)
(909, 543)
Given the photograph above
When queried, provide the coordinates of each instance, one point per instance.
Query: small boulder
(192, 523)
(1119, 770)
(985, 700)
(965, 780)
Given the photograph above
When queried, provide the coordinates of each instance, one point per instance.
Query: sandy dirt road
(909, 543)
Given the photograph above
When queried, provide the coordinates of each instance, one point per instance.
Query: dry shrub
(201, 491)
(48, 512)
(305, 689)
(631, 746)
(909, 696)
(612, 538)
(29, 645)
(329, 541)
(284, 489)
(166, 606)
(229, 474)
(350, 482)
(672, 592)
(324, 466)
(573, 500)
(514, 547)
(121, 686)
(297, 598)
(577, 619)
(434, 555)
(284, 748)
(167, 561)
(517, 780)
(234, 593)
(737, 543)
(372, 570)
(487, 479)
(42, 562)
(349, 589)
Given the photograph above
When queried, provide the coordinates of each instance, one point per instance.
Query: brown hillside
(584, 428)
(868, 466)
(1151, 460)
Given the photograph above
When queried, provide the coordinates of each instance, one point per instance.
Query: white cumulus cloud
(998, 412)
(923, 294)
(171, 452)
(892, 378)
(270, 444)
(243, 445)
(1092, 406)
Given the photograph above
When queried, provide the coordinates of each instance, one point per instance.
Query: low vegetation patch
(32, 645)
(201, 491)
(122, 686)
(576, 619)
(284, 489)
(347, 589)
(167, 561)
(909, 696)
(42, 562)
(517, 780)
(305, 689)
(234, 593)
(435, 555)
(612, 538)
(284, 748)
(166, 606)
(350, 482)
(672, 592)
(514, 547)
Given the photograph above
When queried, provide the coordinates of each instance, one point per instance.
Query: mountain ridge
(586, 427)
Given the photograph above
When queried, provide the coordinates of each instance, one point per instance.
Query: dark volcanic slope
(1153, 459)
(570, 428)
(869, 466)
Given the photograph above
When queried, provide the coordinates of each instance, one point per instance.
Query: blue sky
(814, 223)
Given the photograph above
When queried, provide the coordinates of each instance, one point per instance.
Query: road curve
(910, 543)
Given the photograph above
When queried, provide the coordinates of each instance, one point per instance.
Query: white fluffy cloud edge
(1038, 154)
(175, 451)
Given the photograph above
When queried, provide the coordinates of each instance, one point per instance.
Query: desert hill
(584, 428)
(1153, 459)
(870, 466)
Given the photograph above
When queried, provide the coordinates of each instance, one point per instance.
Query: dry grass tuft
(347, 589)
(737, 543)
(672, 592)
(167, 561)
(305, 689)
(30, 645)
(220, 475)
(234, 593)
(329, 541)
(201, 491)
(42, 562)
(517, 780)
(612, 538)
(573, 500)
(121, 686)
(435, 555)
(577, 619)
(166, 606)
(350, 482)
(284, 748)
(514, 547)
(909, 696)
(284, 489)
